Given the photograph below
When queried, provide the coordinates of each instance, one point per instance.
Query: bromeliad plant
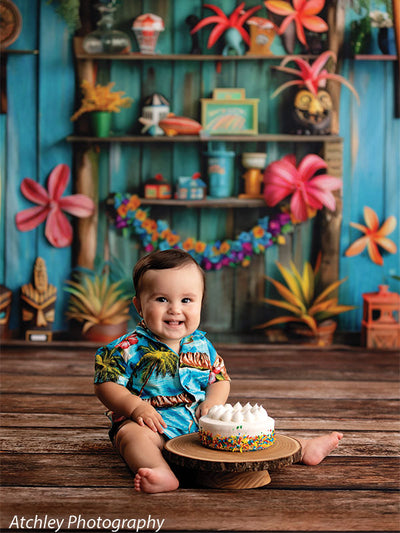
(303, 298)
(101, 98)
(234, 22)
(98, 296)
(312, 76)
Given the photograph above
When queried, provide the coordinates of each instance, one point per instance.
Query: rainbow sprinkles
(237, 428)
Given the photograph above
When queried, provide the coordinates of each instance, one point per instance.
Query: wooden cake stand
(231, 470)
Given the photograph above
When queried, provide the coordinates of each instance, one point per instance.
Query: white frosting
(227, 420)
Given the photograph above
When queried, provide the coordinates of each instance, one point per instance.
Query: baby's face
(170, 302)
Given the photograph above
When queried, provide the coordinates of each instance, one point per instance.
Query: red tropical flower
(283, 178)
(223, 23)
(374, 236)
(51, 206)
(302, 13)
(311, 76)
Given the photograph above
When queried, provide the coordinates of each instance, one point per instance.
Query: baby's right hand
(146, 415)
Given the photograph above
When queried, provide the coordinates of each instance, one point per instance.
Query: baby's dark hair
(162, 260)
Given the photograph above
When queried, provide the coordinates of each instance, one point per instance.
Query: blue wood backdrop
(41, 99)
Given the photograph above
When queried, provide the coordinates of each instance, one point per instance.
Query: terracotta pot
(105, 333)
(324, 336)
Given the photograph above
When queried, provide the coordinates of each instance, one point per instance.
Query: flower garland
(125, 212)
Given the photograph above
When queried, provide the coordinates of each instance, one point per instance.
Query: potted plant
(373, 21)
(100, 301)
(308, 304)
(101, 102)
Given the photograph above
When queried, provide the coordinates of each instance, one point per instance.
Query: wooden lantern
(381, 319)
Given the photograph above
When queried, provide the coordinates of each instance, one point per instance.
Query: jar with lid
(106, 39)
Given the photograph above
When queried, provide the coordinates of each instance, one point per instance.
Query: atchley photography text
(76, 522)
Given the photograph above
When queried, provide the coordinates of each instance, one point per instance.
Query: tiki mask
(312, 113)
(5, 307)
(38, 304)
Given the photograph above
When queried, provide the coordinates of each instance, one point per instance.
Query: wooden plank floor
(57, 462)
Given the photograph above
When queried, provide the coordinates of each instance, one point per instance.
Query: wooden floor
(58, 464)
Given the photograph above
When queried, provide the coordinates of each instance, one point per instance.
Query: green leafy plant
(303, 298)
(99, 296)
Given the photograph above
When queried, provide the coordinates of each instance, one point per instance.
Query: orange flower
(258, 232)
(134, 202)
(188, 244)
(149, 225)
(224, 248)
(200, 247)
(374, 236)
(122, 210)
(173, 239)
(141, 215)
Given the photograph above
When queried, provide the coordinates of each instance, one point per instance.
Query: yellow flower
(281, 239)
(100, 98)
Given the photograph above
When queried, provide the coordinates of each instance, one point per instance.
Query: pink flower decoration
(51, 206)
(282, 178)
(303, 13)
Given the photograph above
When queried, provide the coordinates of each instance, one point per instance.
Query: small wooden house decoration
(155, 108)
(381, 319)
(192, 188)
(157, 188)
(262, 34)
(38, 300)
(5, 307)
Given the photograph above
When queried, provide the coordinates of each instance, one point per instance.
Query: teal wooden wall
(34, 130)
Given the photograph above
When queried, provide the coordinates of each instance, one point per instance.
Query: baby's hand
(203, 409)
(146, 415)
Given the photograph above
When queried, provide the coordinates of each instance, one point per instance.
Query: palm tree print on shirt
(159, 360)
(109, 365)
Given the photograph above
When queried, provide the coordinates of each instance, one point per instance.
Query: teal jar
(220, 170)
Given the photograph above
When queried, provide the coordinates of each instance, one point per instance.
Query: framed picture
(229, 117)
(229, 94)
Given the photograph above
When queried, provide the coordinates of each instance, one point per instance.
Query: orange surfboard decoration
(173, 125)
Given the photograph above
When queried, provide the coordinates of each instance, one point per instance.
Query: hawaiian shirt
(174, 384)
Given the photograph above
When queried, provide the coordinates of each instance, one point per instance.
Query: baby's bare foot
(315, 450)
(155, 480)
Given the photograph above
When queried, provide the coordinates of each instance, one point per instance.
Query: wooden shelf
(377, 57)
(263, 137)
(208, 203)
(137, 56)
(6, 51)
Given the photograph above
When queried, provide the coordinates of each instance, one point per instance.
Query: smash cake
(237, 428)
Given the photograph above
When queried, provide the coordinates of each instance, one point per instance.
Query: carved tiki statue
(38, 304)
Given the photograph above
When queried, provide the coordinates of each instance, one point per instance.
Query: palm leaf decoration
(97, 297)
(303, 298)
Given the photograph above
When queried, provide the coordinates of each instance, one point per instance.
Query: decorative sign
(229, 113)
